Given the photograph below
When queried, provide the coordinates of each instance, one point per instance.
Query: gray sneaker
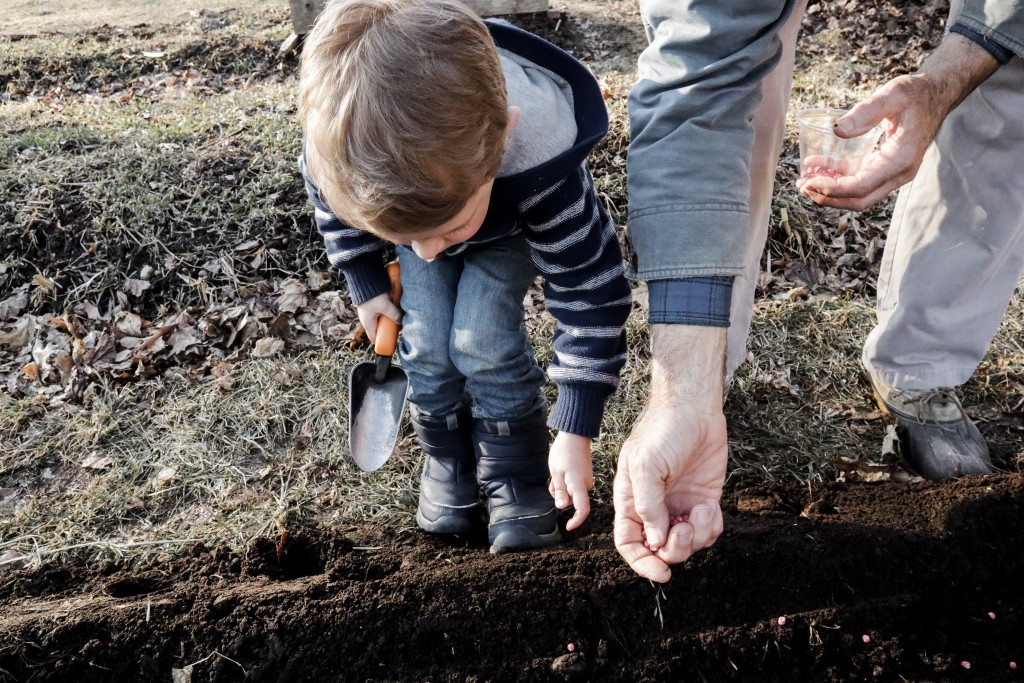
(937, 438)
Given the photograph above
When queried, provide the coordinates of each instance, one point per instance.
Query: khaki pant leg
(769, 128)
(955, 250)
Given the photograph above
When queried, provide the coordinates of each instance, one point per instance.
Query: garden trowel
(376, 393)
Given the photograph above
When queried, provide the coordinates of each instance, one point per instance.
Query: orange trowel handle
(387, 329)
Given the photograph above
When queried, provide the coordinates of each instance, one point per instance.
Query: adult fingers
(883, 171)
(679, 545)
(852, 196)
(629, 543)
(647, 494)
(649, 502)
(703, 527)
(628, 532)
(815, 165)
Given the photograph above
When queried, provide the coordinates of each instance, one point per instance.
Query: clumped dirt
(842, 582)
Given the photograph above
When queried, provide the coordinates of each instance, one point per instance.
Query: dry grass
(176, 178)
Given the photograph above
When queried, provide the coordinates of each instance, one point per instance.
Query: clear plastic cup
(822, 152)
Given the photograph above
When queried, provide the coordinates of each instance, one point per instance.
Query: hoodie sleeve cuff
(578, 410)
(366, 277)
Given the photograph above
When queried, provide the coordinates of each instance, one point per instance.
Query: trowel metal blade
(375, 414)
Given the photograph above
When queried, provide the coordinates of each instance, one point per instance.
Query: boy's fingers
(370, 326)
(394, 312)
(580, 501)
(558, 491)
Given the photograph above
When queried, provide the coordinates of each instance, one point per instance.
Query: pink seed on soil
(782, 621)
(991, 615)
(1013, 666)
(866, 638)
(965, 664)
(570, 647)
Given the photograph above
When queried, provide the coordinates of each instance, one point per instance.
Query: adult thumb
(864, 116)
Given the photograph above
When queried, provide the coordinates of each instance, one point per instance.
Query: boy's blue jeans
(463, 340)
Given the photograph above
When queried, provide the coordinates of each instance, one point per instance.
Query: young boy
(465, 144)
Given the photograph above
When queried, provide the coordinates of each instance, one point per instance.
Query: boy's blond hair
(404, 110)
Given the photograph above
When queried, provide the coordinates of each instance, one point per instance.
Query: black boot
(512, 466)
(449, 493)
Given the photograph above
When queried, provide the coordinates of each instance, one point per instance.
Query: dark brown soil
(875, 581)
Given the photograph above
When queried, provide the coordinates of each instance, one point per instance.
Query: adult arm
(674, 461)
(690, 111)
(698, 86)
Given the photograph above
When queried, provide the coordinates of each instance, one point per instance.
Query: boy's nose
(428, 249)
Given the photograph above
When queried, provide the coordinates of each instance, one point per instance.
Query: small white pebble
(782, 621)
(965, 664)
(866, 638)
(991, 615)
(570, 647)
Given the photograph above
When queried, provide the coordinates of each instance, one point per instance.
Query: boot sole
(518, 538)
(450, 525)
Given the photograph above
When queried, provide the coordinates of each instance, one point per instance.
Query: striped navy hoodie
(575, 248)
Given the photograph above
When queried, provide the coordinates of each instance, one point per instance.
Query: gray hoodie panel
(547, 125)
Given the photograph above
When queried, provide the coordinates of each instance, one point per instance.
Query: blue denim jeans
(463, 339)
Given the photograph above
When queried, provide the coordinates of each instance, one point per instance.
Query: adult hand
(912, 108)
(674, 461)
(369, 310)
(572, 475)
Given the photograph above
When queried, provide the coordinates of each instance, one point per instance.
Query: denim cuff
(701, 301)
(578, 410)
(1001, 53)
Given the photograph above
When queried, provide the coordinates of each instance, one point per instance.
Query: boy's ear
(513, 116)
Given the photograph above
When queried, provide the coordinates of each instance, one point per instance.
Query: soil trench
(838, 582)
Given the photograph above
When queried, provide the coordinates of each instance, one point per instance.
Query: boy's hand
(371, 308)
(572, 475)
